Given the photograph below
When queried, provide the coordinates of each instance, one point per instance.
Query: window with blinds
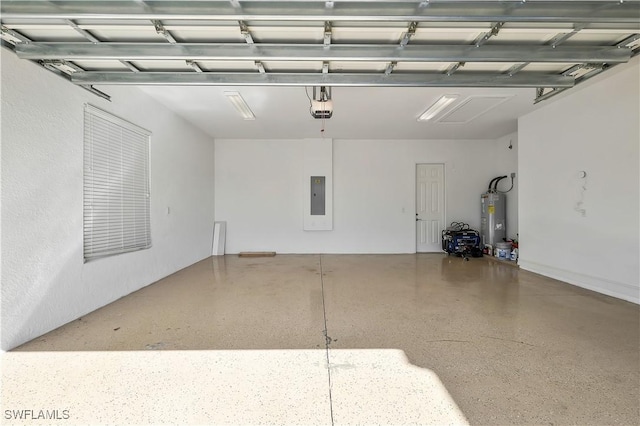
(116, 185)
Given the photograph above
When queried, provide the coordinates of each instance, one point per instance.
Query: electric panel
(318, 195)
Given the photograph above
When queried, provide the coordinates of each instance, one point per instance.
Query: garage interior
(359, 317)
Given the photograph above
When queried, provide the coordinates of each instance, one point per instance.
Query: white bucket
(503, 250)
(502, 253)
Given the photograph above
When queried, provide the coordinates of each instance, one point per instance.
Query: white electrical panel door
(430, 208)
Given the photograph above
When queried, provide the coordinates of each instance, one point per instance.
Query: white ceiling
(359, 112)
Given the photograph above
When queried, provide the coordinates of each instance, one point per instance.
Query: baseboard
(616, 289)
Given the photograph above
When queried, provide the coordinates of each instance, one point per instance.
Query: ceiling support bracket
(571, 72)
(406, 37)
(561, 38)
(516, 68)
(495, 29)
(130, 66)
(96, 92)
(327, 33)
(453, 68)
(244, 30)
(390, 67)
(594, 69)
(629, 41)
(541, 96)
(61, 65)
(194, 65)
(573, 69)
(411, 31)
(161, 30)
(84, 33)
(12, 36)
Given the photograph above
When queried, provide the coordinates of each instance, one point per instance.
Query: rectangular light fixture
(242, 107)
(437, 107)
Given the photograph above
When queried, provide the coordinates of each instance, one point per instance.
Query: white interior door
(429, 207)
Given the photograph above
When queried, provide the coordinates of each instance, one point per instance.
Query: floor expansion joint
(327, 339)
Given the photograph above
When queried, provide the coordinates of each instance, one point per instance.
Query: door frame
(415, 198)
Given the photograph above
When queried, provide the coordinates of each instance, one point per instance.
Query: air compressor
(493, 216)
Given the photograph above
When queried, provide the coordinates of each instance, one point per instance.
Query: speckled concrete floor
(412, 339)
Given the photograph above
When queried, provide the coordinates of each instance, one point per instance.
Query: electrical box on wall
(318, 196)
(318, 184)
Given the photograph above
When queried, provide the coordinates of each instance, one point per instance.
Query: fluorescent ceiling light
(437, 107)
(241, 105)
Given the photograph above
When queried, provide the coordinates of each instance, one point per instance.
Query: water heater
(493, 219)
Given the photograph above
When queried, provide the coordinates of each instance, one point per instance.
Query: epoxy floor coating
(344, 339)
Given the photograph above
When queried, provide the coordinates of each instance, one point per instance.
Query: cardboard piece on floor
(257, 254)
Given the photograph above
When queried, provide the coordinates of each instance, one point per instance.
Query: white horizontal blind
(116, 185)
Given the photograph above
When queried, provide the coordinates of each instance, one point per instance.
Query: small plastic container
(503, 250)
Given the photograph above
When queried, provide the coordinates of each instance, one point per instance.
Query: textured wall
(584, 231)
(44, 280)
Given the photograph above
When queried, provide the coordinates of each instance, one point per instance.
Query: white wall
(44, 280)
(507, 162)
(596, 129)
(259, 192)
